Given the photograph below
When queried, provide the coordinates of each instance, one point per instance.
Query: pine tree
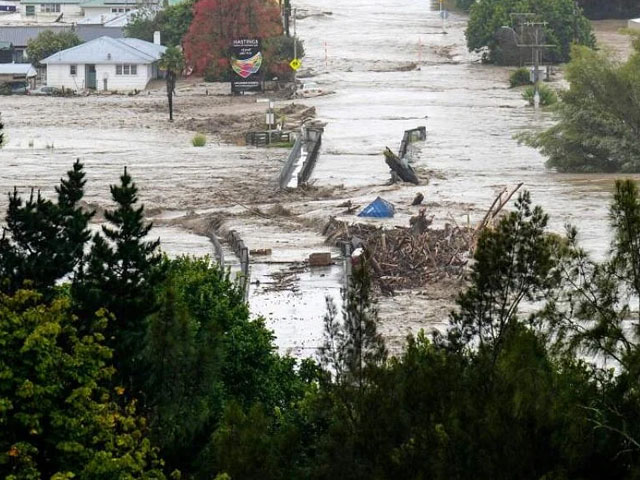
(44, 241)
(353, 346)
(120, 274)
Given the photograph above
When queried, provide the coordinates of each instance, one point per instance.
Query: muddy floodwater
(393, 65)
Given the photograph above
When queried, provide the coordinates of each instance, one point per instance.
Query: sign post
(246, 63)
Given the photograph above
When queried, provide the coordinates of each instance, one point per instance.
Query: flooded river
(392, 68)
(470, 113)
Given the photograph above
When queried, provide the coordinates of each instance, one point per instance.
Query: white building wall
(67, 9)
(58, 75)
(634, 24)
(123, 83)
(90, 12)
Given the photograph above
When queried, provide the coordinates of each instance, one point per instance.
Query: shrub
(199, 140)
(548, 96)
(520, 77)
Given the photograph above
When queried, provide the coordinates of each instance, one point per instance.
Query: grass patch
(199, 140)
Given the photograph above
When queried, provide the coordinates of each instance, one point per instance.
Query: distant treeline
(593, 9)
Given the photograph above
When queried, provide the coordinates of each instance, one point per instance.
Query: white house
(50, 10)
(634, 24)
(122, 64)
(92, 8)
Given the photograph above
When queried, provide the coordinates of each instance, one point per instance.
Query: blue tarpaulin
(379, 208)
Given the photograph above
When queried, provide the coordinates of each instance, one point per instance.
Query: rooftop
(107, 50)
(25, 69)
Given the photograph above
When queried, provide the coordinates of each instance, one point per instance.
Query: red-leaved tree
(217, 22)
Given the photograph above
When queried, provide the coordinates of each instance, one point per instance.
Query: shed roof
(107, 50)
(25, 69)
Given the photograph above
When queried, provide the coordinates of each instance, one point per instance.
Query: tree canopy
(565, 25)
(217, 22)
(49, 42)
(598, 118)
(172, 22)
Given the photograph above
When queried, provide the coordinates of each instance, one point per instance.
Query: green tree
(565, 25)
(172, 61)
(172, 22)
(49, 42)
(514, 263)
(120, 274)
(59, 417)
(598, 121)
(44, 241)
(353, 345)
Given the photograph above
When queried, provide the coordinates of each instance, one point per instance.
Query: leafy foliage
(217, 22)
(598, 120)
(565, 25)
(548, 96)
(58, 416)
(120, 274)
(172, 22)
(599, 9)
(49, 42)
(44, 241)
(520, 77)
(172, 61)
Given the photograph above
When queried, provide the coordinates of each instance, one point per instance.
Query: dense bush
(565, 25)
(548, 96)
(599, 9)
(199, 140)
(598, 122)
(520, 77)
(172, 22)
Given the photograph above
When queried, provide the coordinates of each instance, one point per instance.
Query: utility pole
(286, 13)
(531, 35)
(295, 48)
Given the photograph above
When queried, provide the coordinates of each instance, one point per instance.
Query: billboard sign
(246, 63)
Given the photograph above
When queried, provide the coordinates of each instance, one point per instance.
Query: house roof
(38, 2)
(107, 50)
(25, 69)
(111, 3)
(20, 35)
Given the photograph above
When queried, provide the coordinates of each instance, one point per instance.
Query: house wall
(58, 76)
(96, 11)
(69, 10)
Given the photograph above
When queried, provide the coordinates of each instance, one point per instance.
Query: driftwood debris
(405, 172)
(418, 199)
(403, 258)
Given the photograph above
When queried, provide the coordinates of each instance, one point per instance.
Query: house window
(73, 69)
(50, 7)
(120, 10)
(126, 69)
(30, 10)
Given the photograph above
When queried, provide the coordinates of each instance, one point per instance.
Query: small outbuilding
(17, 72)
(105, 64)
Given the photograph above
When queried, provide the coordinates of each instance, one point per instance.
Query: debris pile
(407, 257)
